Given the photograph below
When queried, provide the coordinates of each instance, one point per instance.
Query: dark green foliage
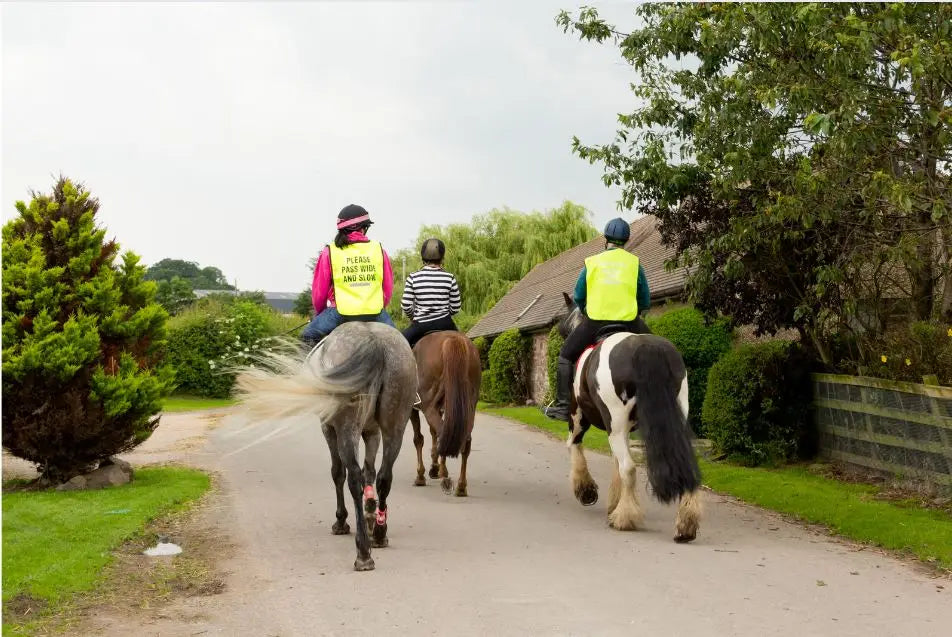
(174, 295)
(757, 407)
(303, 304)
(207, 278)
(905, 352)
(553, 346)
(701, 344)
(482, 346)
(508, 375)
(211, 335)
(82, 335)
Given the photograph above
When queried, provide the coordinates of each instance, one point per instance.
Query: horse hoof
(419, 482)
(364, 564)
(434, 472)
(370, 506)
(461, 492)
(447, 485)
(340, 528)
(380, 539)
(685, 538)
(587, 496)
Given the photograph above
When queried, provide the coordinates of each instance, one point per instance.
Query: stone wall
(538, 374)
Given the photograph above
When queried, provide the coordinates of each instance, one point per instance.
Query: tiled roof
(541, 290)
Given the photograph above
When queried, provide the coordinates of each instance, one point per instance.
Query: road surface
(520, 556)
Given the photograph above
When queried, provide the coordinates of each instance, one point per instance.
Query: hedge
(507, 379)
(757, 406)
(701, 344)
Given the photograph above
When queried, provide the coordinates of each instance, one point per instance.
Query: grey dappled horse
(361, 384)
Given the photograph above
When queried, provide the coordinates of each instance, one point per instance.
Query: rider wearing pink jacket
(353, 279)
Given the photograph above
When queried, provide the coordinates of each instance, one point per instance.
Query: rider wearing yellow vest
(612, 289)
(353, 279)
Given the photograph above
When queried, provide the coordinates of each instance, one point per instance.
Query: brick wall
(538, 374)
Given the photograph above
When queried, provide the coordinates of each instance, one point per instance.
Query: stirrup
(418, 401)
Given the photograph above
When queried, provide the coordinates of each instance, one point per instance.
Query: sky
(232, 134)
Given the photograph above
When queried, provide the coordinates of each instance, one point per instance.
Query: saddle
(601, 335)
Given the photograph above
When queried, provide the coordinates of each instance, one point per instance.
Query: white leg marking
(683, 397)
(627, 513)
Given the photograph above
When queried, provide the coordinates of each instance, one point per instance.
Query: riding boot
(563, 391)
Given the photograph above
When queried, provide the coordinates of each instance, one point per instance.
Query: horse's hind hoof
(685, 538)
(380, 539)
(447, 485)
(461, 492)
(587, 495)
(370, 506)
(419, 482)
(340, 528)
(364, 564)
(434, 472)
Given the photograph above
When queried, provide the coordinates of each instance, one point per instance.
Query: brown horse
(449, 377)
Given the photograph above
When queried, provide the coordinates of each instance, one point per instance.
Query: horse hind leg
(433, 416)
(461, 483)
(391, 448)
(372, 445)
(689, 517)
(355, 481)
(339, 475)
(626, 514)
(418, 441)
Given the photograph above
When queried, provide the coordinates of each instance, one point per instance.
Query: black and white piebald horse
(633, 381)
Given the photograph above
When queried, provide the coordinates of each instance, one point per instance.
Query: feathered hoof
(685, 531)
(587, 494)
(684, 539)
(364, 564)
(419, 482)
(380, 539)
(447, 485)
(340, 528)
(625, 517)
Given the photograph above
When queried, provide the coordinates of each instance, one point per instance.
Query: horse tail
(659, 375)
(284, 385)
(459, 396)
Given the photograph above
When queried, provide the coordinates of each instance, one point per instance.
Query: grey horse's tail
(284, 385)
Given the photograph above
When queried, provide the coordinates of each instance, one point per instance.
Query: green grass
(56, 544)
(848, 509)
(193, 403)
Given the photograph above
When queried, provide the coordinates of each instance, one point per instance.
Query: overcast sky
(232, 134)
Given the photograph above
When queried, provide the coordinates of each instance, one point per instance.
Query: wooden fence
(901, 429)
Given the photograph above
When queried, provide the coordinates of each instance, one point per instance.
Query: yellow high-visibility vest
(358, 278)
(611, 285)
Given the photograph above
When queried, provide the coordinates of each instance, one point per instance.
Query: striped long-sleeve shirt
(430, 294)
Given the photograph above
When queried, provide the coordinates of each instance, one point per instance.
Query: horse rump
(658, 372)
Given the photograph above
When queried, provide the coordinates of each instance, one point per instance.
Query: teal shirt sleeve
(580, 290)
(644, 293)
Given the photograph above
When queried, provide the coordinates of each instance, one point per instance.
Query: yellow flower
(883, 358)
(950, 332)
(908, 362)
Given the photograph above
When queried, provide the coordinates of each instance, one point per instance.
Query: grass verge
(56, 544)
(174, 404)
(848, 509)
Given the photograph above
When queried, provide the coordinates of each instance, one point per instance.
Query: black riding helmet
(353, 216)
(617, 231)
(433, 251)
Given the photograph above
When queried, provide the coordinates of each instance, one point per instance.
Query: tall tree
(793, 152)
(207, 278)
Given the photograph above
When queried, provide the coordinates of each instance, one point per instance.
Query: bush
(508, 377)
(212, 334)
(482, 346)
(552, 347)
(82, 336)
(757, 407)
(701, 344)
(910, 352)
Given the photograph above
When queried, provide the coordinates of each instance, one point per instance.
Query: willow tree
(794, 153)
(496, 250)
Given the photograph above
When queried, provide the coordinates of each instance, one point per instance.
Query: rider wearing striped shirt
(431, 295)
